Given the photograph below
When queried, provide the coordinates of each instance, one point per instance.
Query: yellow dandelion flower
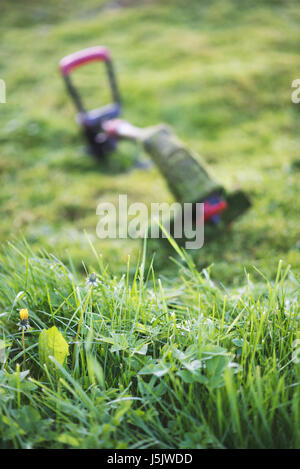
(24, 314)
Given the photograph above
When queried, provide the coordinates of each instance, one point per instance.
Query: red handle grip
(72, 61)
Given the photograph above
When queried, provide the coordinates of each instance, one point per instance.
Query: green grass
(219, 72)
(152, 363)
(152, 347)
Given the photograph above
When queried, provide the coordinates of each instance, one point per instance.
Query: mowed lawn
(198, 351)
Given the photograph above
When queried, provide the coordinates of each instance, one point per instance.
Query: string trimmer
(188, 178)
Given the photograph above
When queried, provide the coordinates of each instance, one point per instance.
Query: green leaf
(158, 370)
(189, 377)
(141, 348)
(119, 342)
(18, 380)
(52, 343)
(2, 344)
(67, 439)
(216, 365)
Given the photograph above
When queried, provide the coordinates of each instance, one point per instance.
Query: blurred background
(219, 72)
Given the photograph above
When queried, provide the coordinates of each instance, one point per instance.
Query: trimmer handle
(92, 54)
(85, 56)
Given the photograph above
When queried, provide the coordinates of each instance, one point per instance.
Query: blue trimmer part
(96, 116)
(216, 219)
